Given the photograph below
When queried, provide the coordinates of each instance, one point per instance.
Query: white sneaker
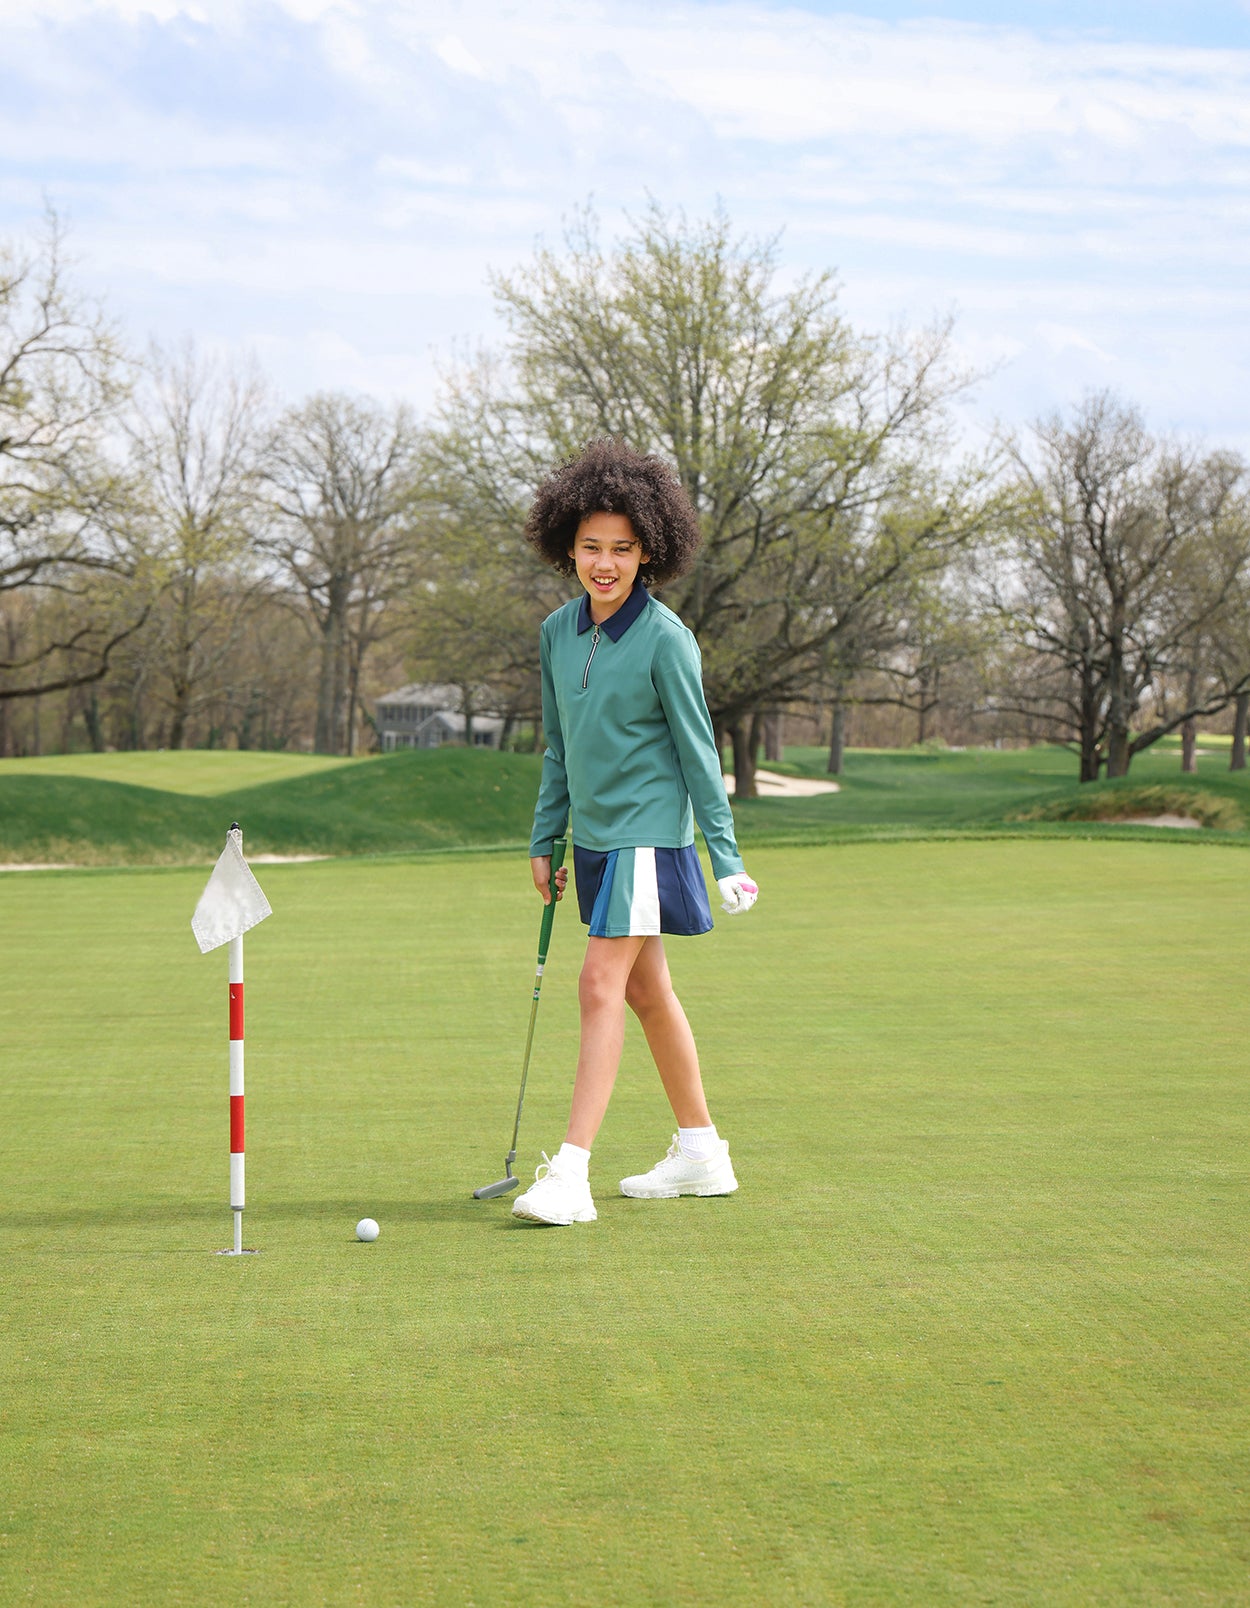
(555, 1197)
(678, 1175)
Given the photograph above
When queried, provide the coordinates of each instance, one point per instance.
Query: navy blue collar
(616, 624)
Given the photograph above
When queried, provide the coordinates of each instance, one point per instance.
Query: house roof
(437, 694)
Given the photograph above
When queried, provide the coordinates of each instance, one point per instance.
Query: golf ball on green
(367, 1229)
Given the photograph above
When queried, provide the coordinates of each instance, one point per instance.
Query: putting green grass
(972, 1331)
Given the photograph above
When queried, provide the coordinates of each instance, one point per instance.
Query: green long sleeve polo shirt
(630, 750)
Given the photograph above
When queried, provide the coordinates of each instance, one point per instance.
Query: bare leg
(650, 995)
(601, 996)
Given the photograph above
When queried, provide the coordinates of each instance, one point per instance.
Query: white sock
(698, 1144)
(573, 1159)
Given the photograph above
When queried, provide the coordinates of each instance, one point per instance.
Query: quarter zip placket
(594, 646)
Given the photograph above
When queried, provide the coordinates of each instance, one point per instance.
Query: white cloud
(293, 168)
(459, 57)
(1060, 338)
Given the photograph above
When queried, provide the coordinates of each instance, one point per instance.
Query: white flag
(232, 902)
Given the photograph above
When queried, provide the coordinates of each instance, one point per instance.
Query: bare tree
(1125, 554)
(1230, 652)
(342, 485)
(935, 628)
(197, 449)
(64, 530)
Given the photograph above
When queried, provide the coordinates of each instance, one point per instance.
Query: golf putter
(509, 1181)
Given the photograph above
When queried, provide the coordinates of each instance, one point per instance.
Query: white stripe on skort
(644, 907)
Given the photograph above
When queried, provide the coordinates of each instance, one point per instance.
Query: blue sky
(327, 183)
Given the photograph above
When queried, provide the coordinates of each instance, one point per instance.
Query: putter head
(489, 1191)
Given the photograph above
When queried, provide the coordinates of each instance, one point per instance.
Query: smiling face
(608, 557)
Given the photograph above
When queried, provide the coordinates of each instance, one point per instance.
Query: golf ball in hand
(367, 1229)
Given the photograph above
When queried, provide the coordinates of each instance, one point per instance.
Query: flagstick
(237, 1198)
(237, 1195)
(231, 904)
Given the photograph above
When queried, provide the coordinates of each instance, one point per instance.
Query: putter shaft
(508, 1181)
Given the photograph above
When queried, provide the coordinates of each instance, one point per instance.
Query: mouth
(603, 583)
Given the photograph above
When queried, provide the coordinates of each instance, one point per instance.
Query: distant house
(428, 715)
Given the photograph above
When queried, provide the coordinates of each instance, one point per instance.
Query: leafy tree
(482, 593)
(813, 455)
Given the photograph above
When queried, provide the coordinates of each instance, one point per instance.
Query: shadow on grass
(272, 1211)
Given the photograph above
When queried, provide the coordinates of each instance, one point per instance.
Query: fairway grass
(199, 772)
(173, 809)
(972, 1331)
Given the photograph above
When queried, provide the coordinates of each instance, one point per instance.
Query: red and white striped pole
(237, 1196)
(231, 904)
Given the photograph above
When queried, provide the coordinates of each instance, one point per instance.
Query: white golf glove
(738, 891)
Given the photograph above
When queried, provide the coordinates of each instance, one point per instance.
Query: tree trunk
(178, 714)
(837, 737)
(1189, 744)
(772, 738)
(353, 703)
(1119, 713)
(331, 682)
(744, 759)
(134, 716)
(1091, 753)
(922, 714)
(182, 672)
(1118, 755)
(1241, 709)
(91, 717)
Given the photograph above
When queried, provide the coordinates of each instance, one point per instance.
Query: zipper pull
(594, 644)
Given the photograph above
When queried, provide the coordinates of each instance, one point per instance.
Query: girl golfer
(629, 752)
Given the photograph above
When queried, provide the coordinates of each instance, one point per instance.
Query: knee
(597, 988)
(645, 994)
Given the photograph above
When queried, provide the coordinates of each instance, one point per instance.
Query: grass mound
(448, 798)
(442, 799)
(1119, 802)
(153, 809)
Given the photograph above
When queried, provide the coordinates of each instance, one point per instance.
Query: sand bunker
(769, 785)
(1186, 822)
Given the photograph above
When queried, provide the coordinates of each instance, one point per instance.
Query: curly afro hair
(608, 477)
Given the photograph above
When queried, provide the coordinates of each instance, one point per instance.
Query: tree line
(184, 561)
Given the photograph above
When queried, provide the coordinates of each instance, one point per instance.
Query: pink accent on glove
(739, 893)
